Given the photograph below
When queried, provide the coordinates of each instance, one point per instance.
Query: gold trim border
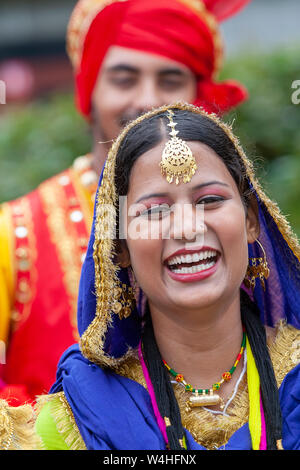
(65, 241)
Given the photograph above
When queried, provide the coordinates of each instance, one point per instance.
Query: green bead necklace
(206, 396)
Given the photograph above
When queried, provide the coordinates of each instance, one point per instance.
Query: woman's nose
(188, 222)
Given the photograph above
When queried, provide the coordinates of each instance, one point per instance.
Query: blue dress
(113, 412)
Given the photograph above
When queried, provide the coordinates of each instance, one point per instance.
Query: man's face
(131, 82)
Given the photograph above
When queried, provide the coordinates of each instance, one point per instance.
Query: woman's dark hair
(192, 127)
(196, 127)
(256, 334)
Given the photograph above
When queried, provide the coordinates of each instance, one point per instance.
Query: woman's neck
(200, 347)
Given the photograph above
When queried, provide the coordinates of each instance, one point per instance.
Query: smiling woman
(189, 339)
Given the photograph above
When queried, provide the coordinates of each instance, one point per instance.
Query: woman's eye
(210, 200)
(156, 212)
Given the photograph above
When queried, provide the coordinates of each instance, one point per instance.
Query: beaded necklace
(206, 396)
(257, 426)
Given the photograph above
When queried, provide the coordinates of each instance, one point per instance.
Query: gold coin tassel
(177, 163)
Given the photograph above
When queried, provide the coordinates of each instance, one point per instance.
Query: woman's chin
(196, 299)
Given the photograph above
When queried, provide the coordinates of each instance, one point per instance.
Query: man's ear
(252, 221)
(122, 254)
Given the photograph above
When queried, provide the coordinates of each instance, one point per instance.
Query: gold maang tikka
(177, 161)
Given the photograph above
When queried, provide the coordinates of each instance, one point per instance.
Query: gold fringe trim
(285, 350)
(17, 427)
(64, 237)
(65, 422)
(41, 401)
(92, 341)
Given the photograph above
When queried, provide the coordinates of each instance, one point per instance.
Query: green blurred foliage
(37, 141)
(268, 123)
(42, 138)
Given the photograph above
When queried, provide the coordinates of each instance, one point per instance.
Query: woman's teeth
(207, 258)
(193, 269)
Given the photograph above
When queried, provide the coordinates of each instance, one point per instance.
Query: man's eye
(123, 81)
(171, 84)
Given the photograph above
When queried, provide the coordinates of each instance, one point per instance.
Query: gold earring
(257, 268)
(124, 300)
(177, 161)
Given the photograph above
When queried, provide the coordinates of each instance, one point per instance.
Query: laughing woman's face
(187, 243)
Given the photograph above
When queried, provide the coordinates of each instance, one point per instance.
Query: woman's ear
(122, 254)
(252, 221)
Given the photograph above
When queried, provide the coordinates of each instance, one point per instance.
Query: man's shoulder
(25, 218)
(14, 210)
(48, 226)
(63, 188)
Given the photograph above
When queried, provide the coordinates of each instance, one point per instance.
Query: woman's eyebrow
(149, 196)
(210, 183)
(199, 186)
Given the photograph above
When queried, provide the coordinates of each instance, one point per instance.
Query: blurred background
(41, 133)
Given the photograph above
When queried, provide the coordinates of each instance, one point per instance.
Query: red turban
(186, 31)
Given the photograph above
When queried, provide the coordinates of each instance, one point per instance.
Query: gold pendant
(177, 163)
(203, 399)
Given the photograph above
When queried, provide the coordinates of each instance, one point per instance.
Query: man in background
(128, 57)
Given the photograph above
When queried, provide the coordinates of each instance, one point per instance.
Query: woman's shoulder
(284, 348)
(285, 354)
(55, 424)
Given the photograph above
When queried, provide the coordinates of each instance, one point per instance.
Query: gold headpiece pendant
(177, 161)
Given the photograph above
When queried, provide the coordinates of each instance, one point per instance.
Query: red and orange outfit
(43, 235)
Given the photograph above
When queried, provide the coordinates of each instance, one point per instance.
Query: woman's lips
(194, 276)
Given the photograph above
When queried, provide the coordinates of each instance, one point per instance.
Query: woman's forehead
(146, 173)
